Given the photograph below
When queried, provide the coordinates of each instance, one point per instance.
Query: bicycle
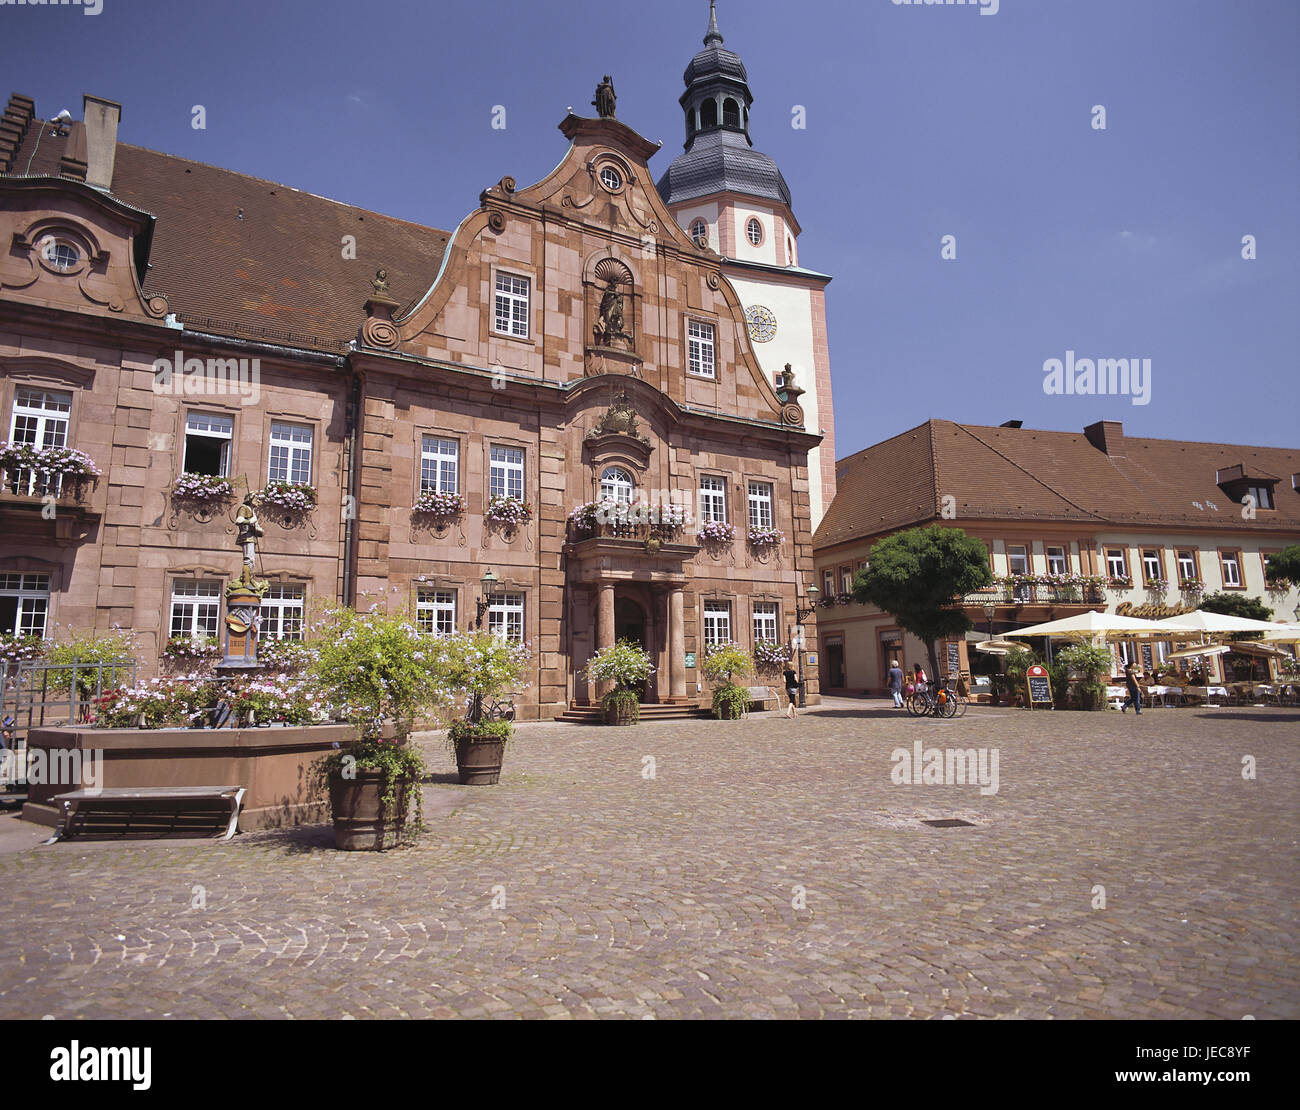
(494, 709)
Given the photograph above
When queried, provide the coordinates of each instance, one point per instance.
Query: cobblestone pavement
(769, 869)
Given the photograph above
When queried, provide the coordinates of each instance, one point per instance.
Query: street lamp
(488, 583)
(800, 613)
(989, 610)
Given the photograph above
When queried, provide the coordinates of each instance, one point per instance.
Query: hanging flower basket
(766, 537)
(441, 506)
(769, 655)
(292, 497)
(201, 489)
(717, 531)
(508, 510)
(48, 461)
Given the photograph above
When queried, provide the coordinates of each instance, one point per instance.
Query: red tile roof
(276, 273)
(1029, 474)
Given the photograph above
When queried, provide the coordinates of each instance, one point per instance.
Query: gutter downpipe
(352, 476)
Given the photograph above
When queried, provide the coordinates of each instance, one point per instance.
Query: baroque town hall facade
(593, 335)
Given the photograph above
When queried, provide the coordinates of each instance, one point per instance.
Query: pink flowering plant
(769, 655)
(717, 531)
(201, 489)
(191, 649)
(67, 462)
(441, 506)
(508, 510)
(292, 497)
(766, 537)
(21, 649)
(160, 702)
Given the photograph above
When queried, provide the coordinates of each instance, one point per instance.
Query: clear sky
(922, 122)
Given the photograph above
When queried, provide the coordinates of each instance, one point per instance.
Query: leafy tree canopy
(1284, 567)
(1236, 605)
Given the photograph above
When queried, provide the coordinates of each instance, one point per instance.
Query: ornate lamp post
(488, 582)
(801, 614)
(989, 610)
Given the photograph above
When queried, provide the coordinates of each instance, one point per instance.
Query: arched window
(730, 113)
(700, 233)
(709, 114)
(616, 485)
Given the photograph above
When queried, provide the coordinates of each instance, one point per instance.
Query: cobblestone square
(769, 869)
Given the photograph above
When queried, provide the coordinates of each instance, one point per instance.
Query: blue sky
(922, 121)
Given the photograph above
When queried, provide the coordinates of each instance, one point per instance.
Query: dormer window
(1262, 496)
(611, 179)
(61, 256)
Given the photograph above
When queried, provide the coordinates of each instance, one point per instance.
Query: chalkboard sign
(954, 660)
(1040, 687)
(1148, 660)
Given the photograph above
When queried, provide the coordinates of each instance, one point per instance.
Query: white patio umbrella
(1215, 623)
(1282, 634)
(1095, 625)
(1200, 649)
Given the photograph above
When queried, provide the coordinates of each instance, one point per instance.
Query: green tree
(1283, 568)
(1236, 605)
(920, 576)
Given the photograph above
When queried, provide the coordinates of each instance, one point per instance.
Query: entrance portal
(630, 624)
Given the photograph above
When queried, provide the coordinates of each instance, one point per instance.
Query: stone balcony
(52, 507)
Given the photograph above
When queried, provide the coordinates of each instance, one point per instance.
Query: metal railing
(1027, 593)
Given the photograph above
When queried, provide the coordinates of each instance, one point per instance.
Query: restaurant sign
(1040, 687)
(1151, 612)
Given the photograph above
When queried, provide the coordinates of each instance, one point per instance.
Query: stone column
(676, 643)
(605, 618)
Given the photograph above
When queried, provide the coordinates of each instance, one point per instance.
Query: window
(1057, 563)
(846, 580)
(207, 444)
(62, 256)
(754, 232)
(439, 465)
(196, 608)
(506, 617)
(1186, 565)
(1018, 558)
(435, 612)
(713, 499)
(700, 349)
(789, 251)
(730, 113)
(709, 113)
(1262, 496)
(700, 233)
(828, 584)
(1152, 567)
(611, 179)
(282, 613)
(512, 306)
(760, 505)
(616, 485)
(40, 419)
(507, 477)
(1230, 563)
(1116, 562)
(290, 454)
(717, 623)
(24, 604)
(765, 622)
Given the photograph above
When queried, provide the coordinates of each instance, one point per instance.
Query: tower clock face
(762, 323)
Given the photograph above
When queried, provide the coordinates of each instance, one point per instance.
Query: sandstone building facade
(451, 415)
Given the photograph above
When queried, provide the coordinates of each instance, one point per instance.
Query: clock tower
(732, 199)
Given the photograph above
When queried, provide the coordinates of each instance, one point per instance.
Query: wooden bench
(152, 812)
(759, 696)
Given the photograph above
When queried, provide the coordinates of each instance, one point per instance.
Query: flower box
(201, 488)
(766, 537)
(292, 497)
(769, 654)
(717, 531)
(443, 506)
(67, 462)
(508, 510)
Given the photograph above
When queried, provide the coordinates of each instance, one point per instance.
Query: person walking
(896, 683)
(1134, 692)
(791, 691)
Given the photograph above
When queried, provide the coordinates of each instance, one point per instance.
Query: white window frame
(1152, 565)
(717, 623)
(1263, 499)
(1229, 559)
(197, 604)
(846, 580)
(1061, 560)
(1113, 553)
(282, 613)
(32, 611)
(45, 415)
(1186, 566)
(761, 513)
(439, 465)
(750, 224)
(290, 456)
(1012, 557)
(210, 425)
(701, 349)
(506, 617)
(828, 583)
(699, 231)
(713, 499)
(505, 471)
(511, 305)
(620, 487)
(435, 611)
(765, 622)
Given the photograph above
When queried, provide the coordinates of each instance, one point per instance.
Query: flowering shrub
(769, 655)
(163, 702)
(661, 518)
(717, 531)
(201, 488)
(192, 648)
(106, 655)
(285, 656)
(21, 649)
(843, 599)
(444, 506)
(48, 461)
(624, 663)
(508, 510)
(766, 537)
(476, 665)
(293, 497)
(293, 699)
(723, 660)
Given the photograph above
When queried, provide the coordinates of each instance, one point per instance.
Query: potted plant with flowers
(475, 666)
(627, 665)
(377, 667)
(721, 664)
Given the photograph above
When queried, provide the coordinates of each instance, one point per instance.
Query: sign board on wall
(690, 659)
(812, 659)
(1040, 687)
(1148, 660)
(954, 660)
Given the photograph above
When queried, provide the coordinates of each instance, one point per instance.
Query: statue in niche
(605, 98)
(610, 325)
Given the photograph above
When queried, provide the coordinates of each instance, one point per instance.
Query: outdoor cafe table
(1164, 693)
(1207, 692)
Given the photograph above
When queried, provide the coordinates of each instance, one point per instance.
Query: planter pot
(479, 761)
(360, 825)
(621, 713)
